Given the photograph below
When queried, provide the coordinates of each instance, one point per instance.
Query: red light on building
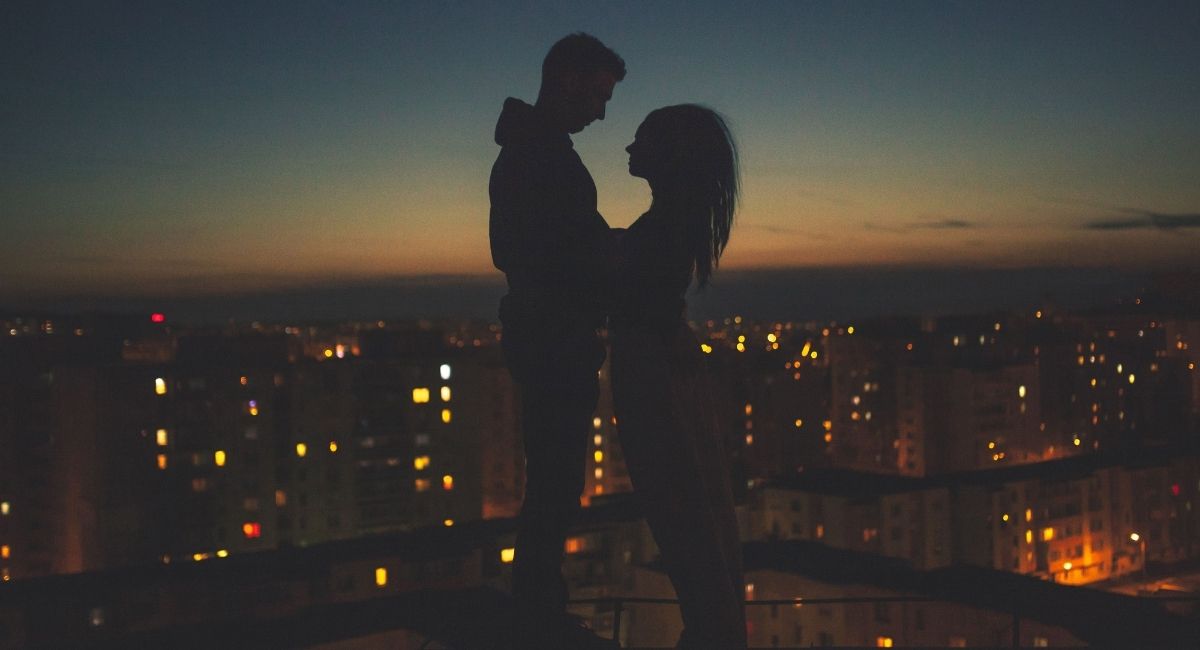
(157, 318)
(252, 529)
(1175, 489)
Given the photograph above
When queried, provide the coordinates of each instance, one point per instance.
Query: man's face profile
(588, 95)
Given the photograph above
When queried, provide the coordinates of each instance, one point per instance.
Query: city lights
(446, 416)
(160, 437)
(333, 446)
(381, 576)
(444, 371)
(160, 386)
(447, 482)
(507, 555)
(420, 395)
(219, 458)
(301, 449)
(445, 393)
(420, 462)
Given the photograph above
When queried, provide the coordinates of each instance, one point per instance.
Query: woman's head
(689, 158)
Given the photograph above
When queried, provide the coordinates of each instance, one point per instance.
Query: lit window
(421, 485)
(597, 440)
(1131, 378)
(301, 449)
(596, 422)
(883, 642)
(380, 576)
(1004, 517)
(820, 531)
(1021, 392)
(1029, 537)
(5, 552)
(420, 395)
(243, 380)
(599, 489)
(573, 545)
(749, 591)
(328, 353)
(445, 393)
(1028, 514)
(160, 437)
(598, 472)
(444, 371)
(507, 555)
(446, 416)
(160, 386)
(280, 498)
(5, 508)
(706, 348)
(447, 522)
(162, 461)
(1047, 534)
(219, 458)
(448, 482)
(252, 529)
(741, 347)
(850, 330)
(749, 409)
(799, 423)
(598, 455)
(771, 338)
(420, 462)
(333, 446)
(340, 351)
(828, 437)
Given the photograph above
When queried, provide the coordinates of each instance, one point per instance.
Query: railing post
(617, 620)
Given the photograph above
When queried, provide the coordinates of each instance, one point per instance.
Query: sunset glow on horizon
(225, 148)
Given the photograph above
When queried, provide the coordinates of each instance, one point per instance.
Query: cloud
(1146, 220)
(940, 224)
(782, 230)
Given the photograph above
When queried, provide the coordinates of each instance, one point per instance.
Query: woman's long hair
(699, 184)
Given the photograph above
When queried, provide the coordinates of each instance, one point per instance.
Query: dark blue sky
(157, 148)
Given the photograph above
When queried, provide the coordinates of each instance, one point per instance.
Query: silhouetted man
(554, 248)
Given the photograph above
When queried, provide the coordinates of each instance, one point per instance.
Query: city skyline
(172, 151)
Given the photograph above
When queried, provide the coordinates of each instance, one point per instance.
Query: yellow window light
(598, 455)
(448, 482)
(420, 462)
(381, 576)
(1047, 534)
(507, 555)
(160, 386)
(162, 461)
(420, 395)
(446, 416)
(333, 446)
(445, 393)
(301, 449)
(219, 458)
(160, 437)
(447, 522)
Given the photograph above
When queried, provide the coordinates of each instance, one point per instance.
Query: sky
(171, 148)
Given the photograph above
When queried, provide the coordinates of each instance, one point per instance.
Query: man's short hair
(580, 53)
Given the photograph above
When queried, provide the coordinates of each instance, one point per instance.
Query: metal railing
(618, 607)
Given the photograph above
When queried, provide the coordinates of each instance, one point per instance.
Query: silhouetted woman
(662, 395)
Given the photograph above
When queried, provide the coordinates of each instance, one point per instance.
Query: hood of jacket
(522, 124)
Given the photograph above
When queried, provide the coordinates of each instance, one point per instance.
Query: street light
(1141, 542)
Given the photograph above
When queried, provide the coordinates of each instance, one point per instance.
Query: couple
(568, 273)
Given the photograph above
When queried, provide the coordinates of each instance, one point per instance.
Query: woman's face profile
(648, 153)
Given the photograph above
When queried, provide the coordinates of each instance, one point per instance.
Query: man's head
(578, 76)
